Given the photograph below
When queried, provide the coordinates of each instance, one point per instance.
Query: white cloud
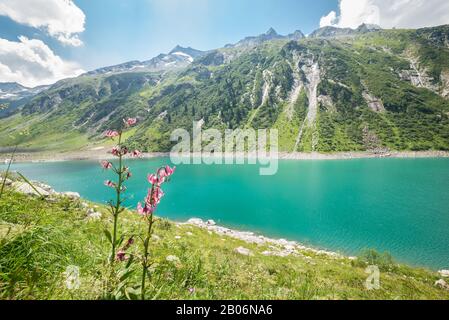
(62, 19)
(31, 62)
(389, 13)
(328, 20)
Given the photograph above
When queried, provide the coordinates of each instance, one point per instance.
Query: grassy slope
(39, 239)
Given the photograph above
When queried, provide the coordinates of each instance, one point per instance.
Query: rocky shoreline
(102, 154)
(278, 247)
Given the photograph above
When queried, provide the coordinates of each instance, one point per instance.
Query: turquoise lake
(395, 205)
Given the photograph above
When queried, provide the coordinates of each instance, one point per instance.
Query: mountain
(297, 35)
(188, 52)
(177, 58)
(14, 95)
(271, 34)
(12, 91)
(332, 32)
(337, 90)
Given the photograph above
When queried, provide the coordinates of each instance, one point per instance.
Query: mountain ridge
(367, 89)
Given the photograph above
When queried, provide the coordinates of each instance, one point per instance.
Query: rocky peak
(271, 32)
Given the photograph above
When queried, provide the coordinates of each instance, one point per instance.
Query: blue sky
(117, 31)
(43, 41)
(141, 29)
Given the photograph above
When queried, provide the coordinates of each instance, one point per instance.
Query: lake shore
(102, 153)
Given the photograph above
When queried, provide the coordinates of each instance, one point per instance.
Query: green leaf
(130, 261)
(132, 294)
(119, 241)
(29, 183)
(108, 235)
(126, 275)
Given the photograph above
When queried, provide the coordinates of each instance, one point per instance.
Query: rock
(211, 223)
(46, 187)
(25, 188)
(178, 237)
(444, 273)
(442, 284)
(71, 195)
(244, 251)
(94, 215)
(195, 221)
(155, 237)
(189, 234)
(8, 182)
(172, 259)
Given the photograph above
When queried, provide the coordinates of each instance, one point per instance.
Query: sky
(42, 41)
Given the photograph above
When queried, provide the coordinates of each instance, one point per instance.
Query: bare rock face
(444, 90)
(418, 75)
(374, 103)
(327, 102)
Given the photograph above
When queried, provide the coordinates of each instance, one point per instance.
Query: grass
(40, 239)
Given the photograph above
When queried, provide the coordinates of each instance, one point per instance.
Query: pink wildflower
(119, 151)
(121, 255)
(115, 151)
(153, 179)
(109, 183)
(169, 171)
(136, 154)
(130, 121)
(111, 134)
(146, 210)
(106, 164)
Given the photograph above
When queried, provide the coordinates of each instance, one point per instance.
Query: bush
(370, 257)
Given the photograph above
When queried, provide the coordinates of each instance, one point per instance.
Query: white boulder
(196, 222)
(25, 188)
(244, 251)
(71, 195)
(444, 273)
(173, 259)
(442, 284)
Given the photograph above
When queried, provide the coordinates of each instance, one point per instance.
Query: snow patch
(182, 54)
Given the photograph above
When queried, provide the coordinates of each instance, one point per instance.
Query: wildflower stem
(145, 256)
(116, 210)
(7, 170)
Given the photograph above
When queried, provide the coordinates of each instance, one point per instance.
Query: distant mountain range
(14, 95)
(335, 90)
(177, 58)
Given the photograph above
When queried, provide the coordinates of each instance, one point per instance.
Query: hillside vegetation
(334, 91)
(40, 239)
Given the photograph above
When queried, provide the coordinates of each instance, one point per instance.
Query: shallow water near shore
(395, 205)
